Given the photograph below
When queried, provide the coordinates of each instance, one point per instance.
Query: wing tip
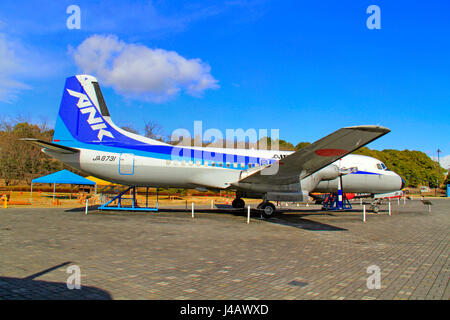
(371, 128)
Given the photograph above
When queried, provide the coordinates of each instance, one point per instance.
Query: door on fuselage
(126, 164)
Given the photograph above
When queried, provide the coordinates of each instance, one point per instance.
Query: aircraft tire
(238, 203)
(268, 210)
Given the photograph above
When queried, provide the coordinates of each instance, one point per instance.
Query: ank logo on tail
(85, 106)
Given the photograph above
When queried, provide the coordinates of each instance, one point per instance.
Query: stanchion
(87, 206)
(389, 208)
(212, 204)
(248, 214)
(364, 213)
(192, 210)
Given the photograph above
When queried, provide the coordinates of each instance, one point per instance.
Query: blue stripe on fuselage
(365, 172)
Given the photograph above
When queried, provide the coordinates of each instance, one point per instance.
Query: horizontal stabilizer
(51, 146)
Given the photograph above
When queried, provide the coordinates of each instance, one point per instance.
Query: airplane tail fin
(83, 115)
(84, 118)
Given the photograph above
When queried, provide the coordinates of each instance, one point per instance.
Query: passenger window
(228, 165)
(235, 165)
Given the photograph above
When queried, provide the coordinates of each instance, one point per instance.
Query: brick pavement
(169, 255)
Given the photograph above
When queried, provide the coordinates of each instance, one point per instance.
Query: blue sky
(306, 68)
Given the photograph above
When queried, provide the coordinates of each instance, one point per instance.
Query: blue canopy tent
(61, 177)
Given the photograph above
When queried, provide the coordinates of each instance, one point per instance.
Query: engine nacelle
(328, 173)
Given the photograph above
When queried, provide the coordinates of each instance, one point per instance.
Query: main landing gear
(238, 203)
(268, 209)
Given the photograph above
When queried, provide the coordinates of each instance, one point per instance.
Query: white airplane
(86, 138)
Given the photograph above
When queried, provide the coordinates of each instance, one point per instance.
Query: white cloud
(140, 72)
(10, 65)
(443, 160)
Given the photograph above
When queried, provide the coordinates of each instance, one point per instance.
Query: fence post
(192, 210)
(87, 205)
(364, 213)
(248, 214)
(389, 208)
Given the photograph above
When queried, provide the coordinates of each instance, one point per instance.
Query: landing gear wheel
(238, 203)
(268, 210)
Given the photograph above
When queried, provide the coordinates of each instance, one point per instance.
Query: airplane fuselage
(128, 168)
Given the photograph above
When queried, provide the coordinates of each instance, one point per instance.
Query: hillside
(20, 162)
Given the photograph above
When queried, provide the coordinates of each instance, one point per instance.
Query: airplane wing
(51, 146)
(316, 156)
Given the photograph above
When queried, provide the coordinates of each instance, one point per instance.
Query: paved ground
(300, 255)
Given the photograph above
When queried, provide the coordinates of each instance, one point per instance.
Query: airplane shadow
(298, 221)
(295, 220)
(29, 289)
(83, 209)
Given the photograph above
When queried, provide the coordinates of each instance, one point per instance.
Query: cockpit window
(381, 166)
